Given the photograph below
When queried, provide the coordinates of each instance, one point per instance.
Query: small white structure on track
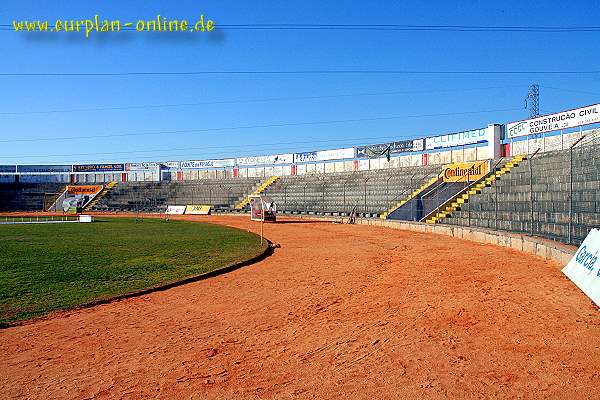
(262, 208)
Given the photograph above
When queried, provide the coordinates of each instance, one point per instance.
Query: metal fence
(555, 195)
(368, 194)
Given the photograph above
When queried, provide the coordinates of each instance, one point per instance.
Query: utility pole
(532, 101)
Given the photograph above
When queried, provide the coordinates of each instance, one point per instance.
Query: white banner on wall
(418, 144)
(228, 162)
(584, 268)
(274, 159)
(175, 210)
(554, 122)
(170, 164)
(324, 155)
(143, 166)
(456, 139)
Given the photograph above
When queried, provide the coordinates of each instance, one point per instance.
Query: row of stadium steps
(107, 188)
(461, 198)
(29, 196)
(222, 194)
(370, 192)
(507, 204)
(410, 199)
(260, 189)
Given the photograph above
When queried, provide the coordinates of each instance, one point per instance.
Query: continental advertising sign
(84, 189)
(466, 172)
(554, 122)
(197, 209)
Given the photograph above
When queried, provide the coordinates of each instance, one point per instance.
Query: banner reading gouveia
(466, 171)
(554, 122)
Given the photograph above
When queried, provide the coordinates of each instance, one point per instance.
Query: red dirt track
(338, 311)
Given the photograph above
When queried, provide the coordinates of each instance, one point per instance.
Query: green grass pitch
(47, 267)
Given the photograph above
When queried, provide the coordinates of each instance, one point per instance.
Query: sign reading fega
(197, 209)
(584, 268)
(84, 189)
(466, 172)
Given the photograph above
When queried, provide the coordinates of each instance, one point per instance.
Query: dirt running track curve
(338, 311)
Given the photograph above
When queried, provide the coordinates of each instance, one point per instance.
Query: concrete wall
(539, 247)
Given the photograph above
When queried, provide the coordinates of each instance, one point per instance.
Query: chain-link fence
(555, 195)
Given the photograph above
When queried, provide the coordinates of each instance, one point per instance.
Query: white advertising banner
(170, 164)
(456, 139)
(143, 166)
(554, 122)
(324, 155)
(274, 159)
(228, 162)
(175, 210)
(584, 269)
(418, 144)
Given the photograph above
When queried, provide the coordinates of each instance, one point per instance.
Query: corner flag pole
(262, 221)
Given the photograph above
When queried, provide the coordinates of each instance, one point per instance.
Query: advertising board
(143, 166)
(324, 155)
(196, 209)
(456, 139)
(8, 169)
(175, 210)
(196, 164)
(87, 189)
(553, 122)
(584, 268)
(44, 168)
(398, 147)
(98, 167)
(465, 171)
(268, 160)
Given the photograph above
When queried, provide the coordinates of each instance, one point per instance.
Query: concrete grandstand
(552, 189)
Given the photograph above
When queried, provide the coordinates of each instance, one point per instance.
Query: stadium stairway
(415, 193)
(263, 186)
(109, 186)
(459, 199)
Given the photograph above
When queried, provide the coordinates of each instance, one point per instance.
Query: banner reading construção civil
(554, 122)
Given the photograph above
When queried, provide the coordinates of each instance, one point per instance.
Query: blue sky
(204, 105)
